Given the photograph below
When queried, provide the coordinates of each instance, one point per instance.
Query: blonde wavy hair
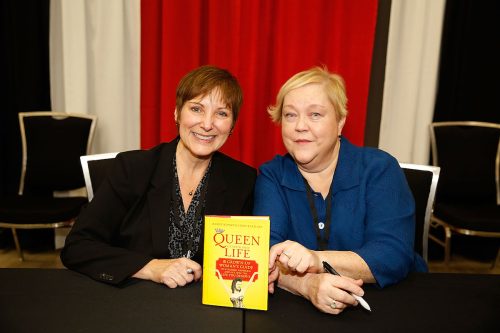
(332, 83)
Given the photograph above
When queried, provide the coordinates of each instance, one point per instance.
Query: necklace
(191, 193)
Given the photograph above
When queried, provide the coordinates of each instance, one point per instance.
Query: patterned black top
(186, 227)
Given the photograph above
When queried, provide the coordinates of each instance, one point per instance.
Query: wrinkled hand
(273, 276)
(294, 257)
(173, 272)
(330, 293)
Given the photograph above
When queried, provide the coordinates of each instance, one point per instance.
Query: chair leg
(447, 247)
(18, 247)
(496, 259)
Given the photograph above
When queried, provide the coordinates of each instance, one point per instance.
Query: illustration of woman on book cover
(236, 293)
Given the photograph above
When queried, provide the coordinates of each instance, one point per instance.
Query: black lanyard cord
(322, 241)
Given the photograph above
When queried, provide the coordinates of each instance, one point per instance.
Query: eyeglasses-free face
(310, 128)
(205, 123)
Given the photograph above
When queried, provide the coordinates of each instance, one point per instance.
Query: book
(236, 261)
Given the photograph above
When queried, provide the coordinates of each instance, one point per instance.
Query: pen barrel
(362, 302)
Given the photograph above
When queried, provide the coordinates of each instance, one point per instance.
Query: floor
(44, 259)
(50, 259)
(461, 264)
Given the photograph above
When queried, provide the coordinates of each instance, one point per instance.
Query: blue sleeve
(389, 223)
(269, 200)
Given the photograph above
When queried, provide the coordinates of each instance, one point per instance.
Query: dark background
(467, 89)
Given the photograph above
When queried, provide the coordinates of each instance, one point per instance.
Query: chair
(51, 145)
(95, 168)
(468, 195)
(423, 180)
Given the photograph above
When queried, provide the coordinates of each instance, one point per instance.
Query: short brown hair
(203, 80)
(333, 84)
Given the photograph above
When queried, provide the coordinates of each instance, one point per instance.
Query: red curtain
(262, 43)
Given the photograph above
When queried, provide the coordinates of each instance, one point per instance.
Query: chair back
(468, 154)
(51, 145)
(95, 168)
(423, 181)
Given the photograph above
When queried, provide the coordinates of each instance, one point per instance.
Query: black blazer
(126, 225)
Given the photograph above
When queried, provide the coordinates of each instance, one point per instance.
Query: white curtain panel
(95, 67)
(411, 78)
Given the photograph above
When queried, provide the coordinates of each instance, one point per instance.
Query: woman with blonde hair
(330, 201)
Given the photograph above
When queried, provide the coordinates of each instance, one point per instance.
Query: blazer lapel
(158, 199)
(217, 185)
(160, 194)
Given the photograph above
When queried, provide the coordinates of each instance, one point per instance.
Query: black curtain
(24, 67)
(469, 76)
(24, 62)
(469, 86)
(377, 75)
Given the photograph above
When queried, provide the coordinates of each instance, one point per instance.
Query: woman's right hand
(171, 272)
(295, 257)
(331, 293)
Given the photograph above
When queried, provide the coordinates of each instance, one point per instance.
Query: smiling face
(310, 128)
(205, 123)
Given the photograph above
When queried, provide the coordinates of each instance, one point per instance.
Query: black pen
(360, 299)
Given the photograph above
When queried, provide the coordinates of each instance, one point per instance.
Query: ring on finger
(333, 305)
(288, 255)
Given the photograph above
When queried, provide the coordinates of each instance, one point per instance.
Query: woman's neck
(190, 171)
(320, 177)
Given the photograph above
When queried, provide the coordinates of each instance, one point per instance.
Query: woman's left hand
(294, 257)
(171, 272)
(331, 293)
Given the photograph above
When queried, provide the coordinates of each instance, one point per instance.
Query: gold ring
(333, 305)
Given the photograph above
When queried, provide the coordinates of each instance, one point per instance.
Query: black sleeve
(93, 247)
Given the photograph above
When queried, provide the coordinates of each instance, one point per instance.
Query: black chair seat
(475, 217)
(52, 143)
(36, 210)
(468, 193)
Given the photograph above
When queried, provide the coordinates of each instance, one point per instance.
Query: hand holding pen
(360, 299)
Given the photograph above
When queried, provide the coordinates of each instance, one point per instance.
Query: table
(59, 300)
(421, 303)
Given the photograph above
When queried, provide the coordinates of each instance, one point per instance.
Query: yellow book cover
(236, 261)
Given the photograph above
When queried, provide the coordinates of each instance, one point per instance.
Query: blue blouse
(372, 213)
